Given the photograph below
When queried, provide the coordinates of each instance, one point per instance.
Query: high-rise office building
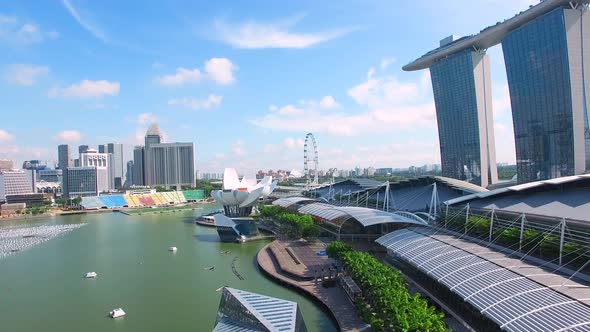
(138, 166)
(172, 164)
(129, 174)
(63, 156)
(102, 148)
(152, 136)
(547, 64)
(80, 181)
(462, 95)
(82, 149)
(100, 161)
(118, 164)
(50, 175)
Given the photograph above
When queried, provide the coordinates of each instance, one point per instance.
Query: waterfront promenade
(334, 299)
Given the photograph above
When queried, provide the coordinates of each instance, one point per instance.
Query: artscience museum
(239, 196)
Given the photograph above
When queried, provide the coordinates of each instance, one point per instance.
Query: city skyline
(238, 80)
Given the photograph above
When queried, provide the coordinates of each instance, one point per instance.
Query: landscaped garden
(386, 303)
(292, 225)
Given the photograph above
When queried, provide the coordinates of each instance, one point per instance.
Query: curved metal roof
(367, 217)
(322, 210)
(461, 185)
(288, 201)
(511, 300)
(489, 36)
(519, 188)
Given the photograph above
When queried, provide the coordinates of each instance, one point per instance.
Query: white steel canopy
(365, 216)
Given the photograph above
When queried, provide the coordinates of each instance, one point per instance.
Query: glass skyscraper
(546, 67)
(462, 95)
(80, 181)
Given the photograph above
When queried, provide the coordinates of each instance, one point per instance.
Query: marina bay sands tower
(463, 98)
(547, 55)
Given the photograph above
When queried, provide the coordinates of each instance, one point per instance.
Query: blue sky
(244, 81)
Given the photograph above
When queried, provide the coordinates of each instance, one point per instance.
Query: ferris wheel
(309, 137)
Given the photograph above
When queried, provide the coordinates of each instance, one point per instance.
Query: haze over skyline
(244, 83)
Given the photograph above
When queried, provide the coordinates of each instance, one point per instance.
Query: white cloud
(270, 149)
(291, 110)
(87, 89)
(238, 148)
(84, 22)
(15, 31)
(328, 102)
(146, 118)
(69, 136)
(255, 34)
(6, 136)
(212, 101)
(181, 77)
(387, 104)
(501, 100)
(292, 143)
(385, 62)
(219, 70)
(24, 74)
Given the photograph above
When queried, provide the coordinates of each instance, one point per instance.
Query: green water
(42, 288)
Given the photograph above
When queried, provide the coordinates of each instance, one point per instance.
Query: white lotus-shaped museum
(238, 194)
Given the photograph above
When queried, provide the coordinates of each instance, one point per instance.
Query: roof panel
(513, 301)
(288, 201)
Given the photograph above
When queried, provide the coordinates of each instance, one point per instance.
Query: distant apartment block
(173, 165)
(14, 182)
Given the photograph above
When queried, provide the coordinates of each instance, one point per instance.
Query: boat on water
(115, 313)
(210, 268)
(207, 220)
(173, 249)
(225, 252)
(90, 275)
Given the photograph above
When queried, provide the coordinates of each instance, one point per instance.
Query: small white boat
(209, 268)
(117, 313)
(90, 275)
(173, 249)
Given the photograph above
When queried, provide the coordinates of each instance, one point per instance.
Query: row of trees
(207, 186)
(387, 305)
(292, 225)
(542, 244)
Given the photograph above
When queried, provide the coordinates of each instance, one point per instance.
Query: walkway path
(334, 298)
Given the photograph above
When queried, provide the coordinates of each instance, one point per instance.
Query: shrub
(387, 291)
